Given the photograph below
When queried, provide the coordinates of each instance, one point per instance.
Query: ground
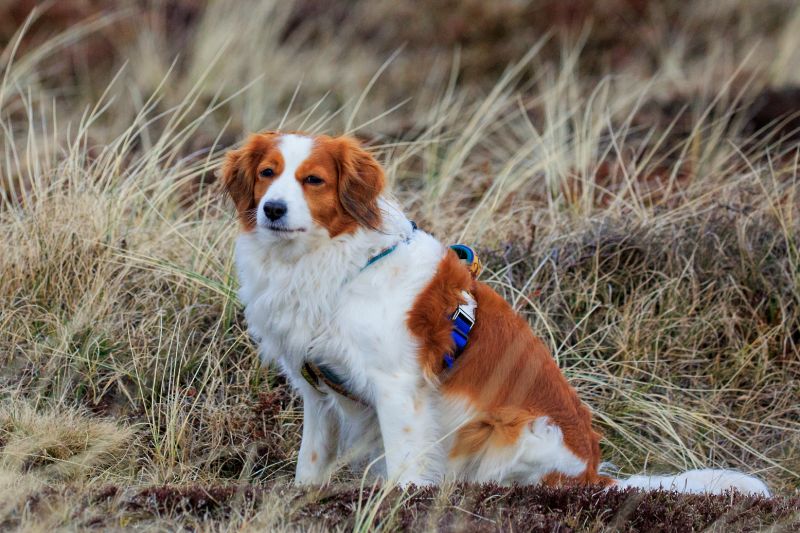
(627, 170)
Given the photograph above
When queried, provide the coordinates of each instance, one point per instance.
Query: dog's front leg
(318, 445)
(408, 428)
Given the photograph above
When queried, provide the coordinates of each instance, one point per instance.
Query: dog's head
(288, 185)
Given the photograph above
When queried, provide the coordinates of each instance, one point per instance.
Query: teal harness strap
(380, 256)
(386, 251)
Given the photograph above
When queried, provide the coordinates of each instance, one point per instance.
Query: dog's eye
(313, 180)
(267, 173)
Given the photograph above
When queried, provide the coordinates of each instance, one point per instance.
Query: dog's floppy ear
(236, 181)
(238, 174)
(361, 181)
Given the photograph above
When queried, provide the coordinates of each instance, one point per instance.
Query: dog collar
(386, 251)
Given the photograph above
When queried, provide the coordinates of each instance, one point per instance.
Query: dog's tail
(702, 481)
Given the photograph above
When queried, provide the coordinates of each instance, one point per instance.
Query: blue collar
(386, 251)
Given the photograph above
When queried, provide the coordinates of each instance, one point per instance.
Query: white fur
(285, 187)
(308, 296)
(705, 480)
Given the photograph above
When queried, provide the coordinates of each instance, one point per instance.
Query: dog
(408, 367)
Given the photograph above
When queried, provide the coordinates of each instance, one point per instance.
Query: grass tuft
(59, 444)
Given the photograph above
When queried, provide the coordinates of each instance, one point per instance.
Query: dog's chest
(351, 318)
(286, 309)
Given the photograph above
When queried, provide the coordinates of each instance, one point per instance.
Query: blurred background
(326, 53)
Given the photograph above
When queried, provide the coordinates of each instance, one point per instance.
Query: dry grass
(632, 187)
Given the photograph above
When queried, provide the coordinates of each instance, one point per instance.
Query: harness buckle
(463, 320)
(462, 314)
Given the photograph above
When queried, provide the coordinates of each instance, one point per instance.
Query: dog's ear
(361, 181)
(236, 181)
(239, 174)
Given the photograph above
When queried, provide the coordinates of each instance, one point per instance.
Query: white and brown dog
(395, 349)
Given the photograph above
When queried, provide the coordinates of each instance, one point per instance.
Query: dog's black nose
(275, 209)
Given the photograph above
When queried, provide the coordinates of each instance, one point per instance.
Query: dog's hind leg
(512, 445)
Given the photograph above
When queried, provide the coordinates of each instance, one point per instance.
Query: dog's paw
(310, 477)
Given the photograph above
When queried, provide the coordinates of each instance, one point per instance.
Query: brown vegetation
(628, 170)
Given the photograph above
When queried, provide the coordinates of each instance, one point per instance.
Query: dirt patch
(466, 507)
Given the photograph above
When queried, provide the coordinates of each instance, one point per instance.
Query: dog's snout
(275, 209)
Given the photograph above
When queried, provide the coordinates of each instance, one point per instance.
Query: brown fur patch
(429, 319)
(353, 183)
(240, 174)
(499, 428)
(506, 372)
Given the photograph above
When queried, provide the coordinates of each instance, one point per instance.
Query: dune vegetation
(627, 169)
